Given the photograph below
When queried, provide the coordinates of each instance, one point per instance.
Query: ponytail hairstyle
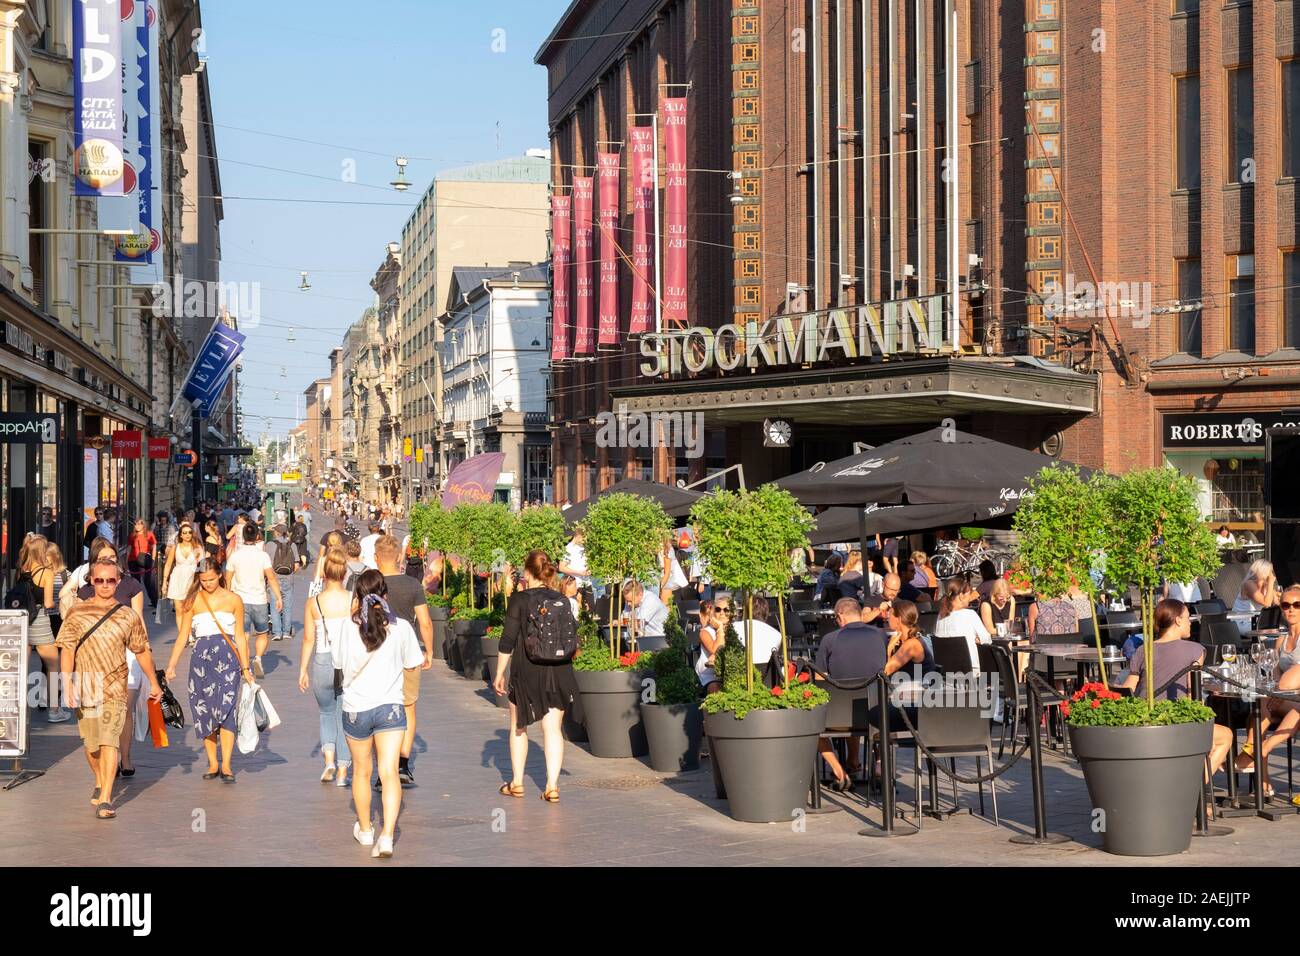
(372, 614)
(955, 588)
(540, 567)
(205, 566)
(335, 567)
(907, 615)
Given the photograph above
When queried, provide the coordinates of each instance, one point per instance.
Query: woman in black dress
(537, 691)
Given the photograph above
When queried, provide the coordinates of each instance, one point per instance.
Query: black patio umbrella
(841, 524)
(936, 467)
(676, 501)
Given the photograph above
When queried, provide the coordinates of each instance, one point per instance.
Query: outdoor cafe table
(1255, 699)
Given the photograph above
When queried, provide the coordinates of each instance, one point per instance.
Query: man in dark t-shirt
(407, 600)
(852, 652)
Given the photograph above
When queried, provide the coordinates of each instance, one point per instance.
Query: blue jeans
(282, 621)
(329, 703)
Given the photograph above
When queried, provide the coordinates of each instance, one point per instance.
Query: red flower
(805, 678)
(807, 693)
(789, 671)
(629, 659)
(1096, 704)
(1065, 709)
(778, 690)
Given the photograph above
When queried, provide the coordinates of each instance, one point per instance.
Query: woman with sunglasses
(715, 616)
(1284, 714)
(215, 616)
(178, 570)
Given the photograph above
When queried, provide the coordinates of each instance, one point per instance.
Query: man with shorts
(407, 600)
(92, 643)
(249, 573)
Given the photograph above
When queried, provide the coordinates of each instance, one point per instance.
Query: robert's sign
(889, 328)
(1224, 429)
(28, 428)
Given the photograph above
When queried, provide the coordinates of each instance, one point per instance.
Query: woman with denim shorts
(375, 651)
(327, 616)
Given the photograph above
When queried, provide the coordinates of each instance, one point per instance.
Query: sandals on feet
(510, 790)
(94, 797)
(105, 811)
(212, 774)
(551, 796)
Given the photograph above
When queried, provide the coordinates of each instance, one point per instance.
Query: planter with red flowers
(762, 740)
(611, 690)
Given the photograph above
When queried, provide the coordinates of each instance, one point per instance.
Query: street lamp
(401, 184)
(304, 285)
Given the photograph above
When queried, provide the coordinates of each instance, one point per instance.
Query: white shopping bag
(141, 715)
(245, 723)
(272, 718)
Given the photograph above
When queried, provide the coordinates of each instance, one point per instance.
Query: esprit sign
(889, 328)
(27, 428)
(126, 444)
(1224, 429)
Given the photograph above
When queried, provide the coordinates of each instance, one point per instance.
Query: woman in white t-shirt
(375, 650)
(956, 619)
(714, 619)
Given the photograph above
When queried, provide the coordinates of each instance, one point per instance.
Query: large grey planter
(438, 615)
(1146, 781)
(766, 760)
(491, 650)
(469, 647)
(673, 732)
(611, 703)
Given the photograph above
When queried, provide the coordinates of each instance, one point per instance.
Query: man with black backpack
(298, 535)
(285, 559)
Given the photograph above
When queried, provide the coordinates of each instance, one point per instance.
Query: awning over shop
(676, 501)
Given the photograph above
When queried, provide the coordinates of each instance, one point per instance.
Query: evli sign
(890, 328)
(28, 428)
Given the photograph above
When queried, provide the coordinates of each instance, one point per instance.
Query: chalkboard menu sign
(13, 683)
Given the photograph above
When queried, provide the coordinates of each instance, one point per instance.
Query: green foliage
(494, 632)
(1137, 712)
(1154, 530)
(676, 687)
(971, 534)
(465, 613)
(797, 696)
(497, 614)
(488, 531)
(623, 536)
(540, 528)
(729, 664)
(434, 528)
(746, 536)
(1061, 527)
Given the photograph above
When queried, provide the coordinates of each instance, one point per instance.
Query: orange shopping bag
(157, 728)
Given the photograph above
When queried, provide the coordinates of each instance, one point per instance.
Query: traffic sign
(187, 458)
(290, 476)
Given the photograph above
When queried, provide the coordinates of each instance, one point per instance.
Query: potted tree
(437, 530)
(1143, 759)
(623, 534)
(670, 707)
(763, 740)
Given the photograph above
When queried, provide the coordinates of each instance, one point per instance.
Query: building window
(1291, 118)
(1047, 44)
(38, 218)
(1189, 290)
(1291, 298)
(1241, 303)
(1241, 124)
(1187, 132)
(1238, 489)
(1047, 9)
(1047, 111)
(1187, 6)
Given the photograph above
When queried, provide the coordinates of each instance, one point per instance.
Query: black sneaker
(405, 776)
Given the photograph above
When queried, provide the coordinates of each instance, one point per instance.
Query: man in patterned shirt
(93, 642)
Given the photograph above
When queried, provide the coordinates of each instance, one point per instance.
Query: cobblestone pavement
(616, 812)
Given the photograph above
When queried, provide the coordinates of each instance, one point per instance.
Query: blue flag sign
(212, 366)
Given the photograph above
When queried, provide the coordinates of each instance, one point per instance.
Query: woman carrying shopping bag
(328, 613)
(216, 618)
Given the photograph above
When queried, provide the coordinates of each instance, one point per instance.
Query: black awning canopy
(676, 501)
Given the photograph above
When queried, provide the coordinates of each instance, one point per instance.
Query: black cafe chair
(926, 621)
(996, 660)
(1269, 618)
(951, 655)
(952, 732)
(1211, 606)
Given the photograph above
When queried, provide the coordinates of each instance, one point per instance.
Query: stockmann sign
(888, 328)
(28, 428)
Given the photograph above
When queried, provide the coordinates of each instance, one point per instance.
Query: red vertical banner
(583, 254)
(674, 255)
(607, 188)
(642, 139)
(561, 256)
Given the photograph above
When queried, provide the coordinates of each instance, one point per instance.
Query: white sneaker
(257, 668)
(341, 780)
(366, 837)
(58, 715)
(383, 847)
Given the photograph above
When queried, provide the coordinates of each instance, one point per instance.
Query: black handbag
(259, 714)
(338, 671)
(172, 714)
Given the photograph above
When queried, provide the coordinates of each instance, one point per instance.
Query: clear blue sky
(418, 78)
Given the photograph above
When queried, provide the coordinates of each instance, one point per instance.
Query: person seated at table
(852, 652)
(1285, 714)
(988, 577)
(956, 619)
(851, 581)
(1189, 592)
(714, 618)
(767, 639)
(875, 607)
(1225, 539)
(650, 612)
(569, 588)
(828, 582)
(1055, 615)
(1258, 591)
(923, 577)
(1083, 606)
(997, 606)
(1172, 651)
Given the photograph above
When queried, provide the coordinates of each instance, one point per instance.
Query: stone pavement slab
(612, 812)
